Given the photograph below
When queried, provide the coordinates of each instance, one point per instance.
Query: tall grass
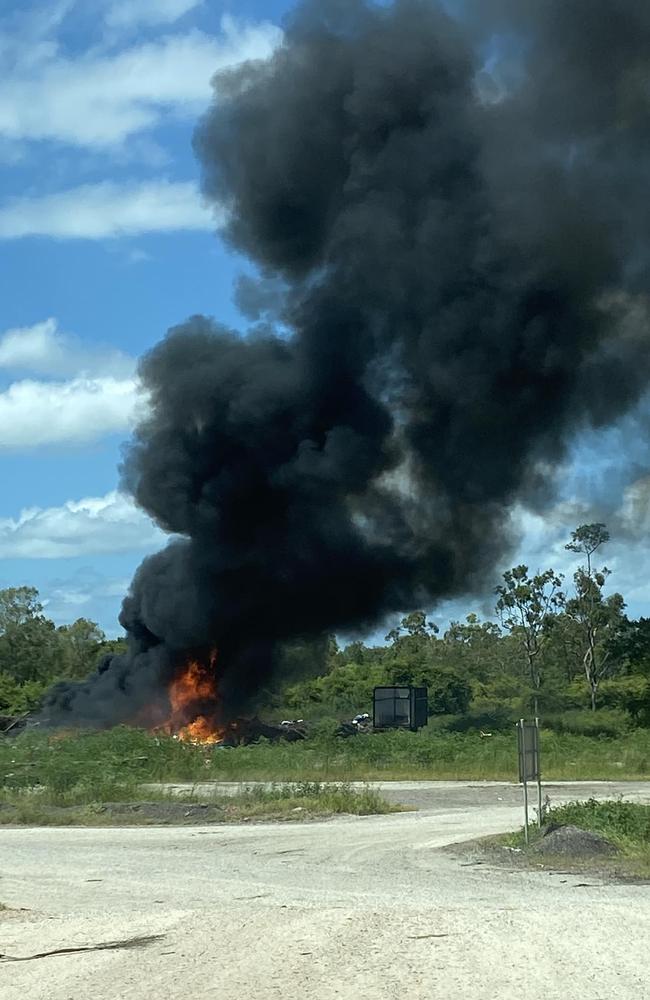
(311, 797)
(98, 762)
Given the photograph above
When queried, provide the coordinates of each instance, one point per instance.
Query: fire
(200, 731)
(194, 700)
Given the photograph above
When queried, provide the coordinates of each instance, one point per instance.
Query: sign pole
(526, 811)
(523, 769)
(539, 778)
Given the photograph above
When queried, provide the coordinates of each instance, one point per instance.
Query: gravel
(351, 907)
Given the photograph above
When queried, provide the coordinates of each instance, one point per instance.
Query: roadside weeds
(132, 806)
(625, 825)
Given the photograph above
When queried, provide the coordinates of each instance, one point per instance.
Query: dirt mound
(574, 842)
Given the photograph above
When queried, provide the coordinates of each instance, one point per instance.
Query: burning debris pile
(194, 702)
(194, 712)
(448, 222)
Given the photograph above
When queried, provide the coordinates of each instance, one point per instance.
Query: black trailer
(400, 707)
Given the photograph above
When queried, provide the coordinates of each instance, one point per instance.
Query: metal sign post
(539, 778)
(529, 765)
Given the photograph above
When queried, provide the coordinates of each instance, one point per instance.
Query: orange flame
(200, 731)
(193, 699)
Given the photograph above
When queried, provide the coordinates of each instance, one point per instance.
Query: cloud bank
(85, 392)
(91, 526)
(99, 99)
(107, 209)
(44, 349)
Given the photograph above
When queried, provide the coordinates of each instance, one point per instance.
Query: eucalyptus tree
(525, 606)
(598, 618)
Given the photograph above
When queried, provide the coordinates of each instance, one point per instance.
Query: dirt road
(347, 908)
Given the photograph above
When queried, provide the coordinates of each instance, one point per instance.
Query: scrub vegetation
(572, 657)
(626, 825)
(97, 762)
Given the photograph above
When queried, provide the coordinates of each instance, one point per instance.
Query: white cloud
(98, 211)
(91, 526)
(131, 13)
(98, 100)
(43, 349)
(80, 410)
(85, 390)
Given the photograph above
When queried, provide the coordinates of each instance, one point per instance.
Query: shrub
(482, 717)
(604, 723)
(619, 821)
(628, 694)
(18, 698)
(62, 762)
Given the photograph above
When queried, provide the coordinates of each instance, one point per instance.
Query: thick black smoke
(450, 223)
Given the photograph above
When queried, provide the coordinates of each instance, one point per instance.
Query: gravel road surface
(352, 907)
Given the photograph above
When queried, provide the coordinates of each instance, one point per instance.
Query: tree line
(564, 652)
(34, 652)
(568, 654)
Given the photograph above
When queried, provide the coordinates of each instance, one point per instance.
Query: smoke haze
(449, 222)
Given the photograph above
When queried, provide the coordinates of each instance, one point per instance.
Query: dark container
(400, 707)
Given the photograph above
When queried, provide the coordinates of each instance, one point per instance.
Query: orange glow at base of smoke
(200, 731)
(193, 700)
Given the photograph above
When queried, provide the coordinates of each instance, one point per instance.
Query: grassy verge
(130, 805)
(625, 824)
(124, 755)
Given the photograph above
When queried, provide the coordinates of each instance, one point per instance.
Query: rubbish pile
(241, 732)
(361, 723)
(11, 725)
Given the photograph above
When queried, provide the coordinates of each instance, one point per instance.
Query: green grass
(625, 824)
(91, 764)
(310, 797)
(133, 805)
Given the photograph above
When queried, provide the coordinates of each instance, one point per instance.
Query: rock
(573, 842)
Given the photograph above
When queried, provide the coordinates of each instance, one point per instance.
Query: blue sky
(105, 243)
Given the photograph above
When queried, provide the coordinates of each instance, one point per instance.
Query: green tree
(562, 649)
(450, 693)
(525, 605)
(476, 648)
(113, 647)
(29, 650)
(586, 539)
(631, 646)
(599, 619)
(413, 626)
(81, 642)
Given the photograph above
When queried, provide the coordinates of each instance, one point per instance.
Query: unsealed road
(347, 908)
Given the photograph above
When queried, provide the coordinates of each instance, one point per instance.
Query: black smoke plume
(450, 223)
